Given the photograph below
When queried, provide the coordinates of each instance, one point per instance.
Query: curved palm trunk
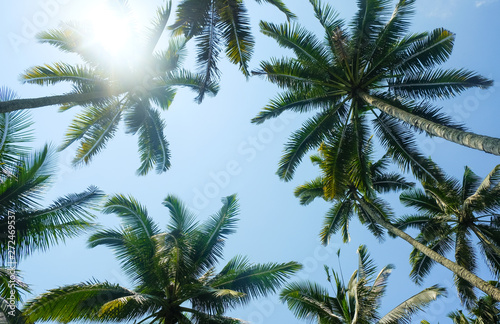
(455, 268)
(472, 140)
(29, 103)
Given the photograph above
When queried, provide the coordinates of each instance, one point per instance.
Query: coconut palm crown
(26, 225)
(128, 88)
(174, 272)
(453, 215)
(358, 301)
(351, 193)
(24, 178)
(370, 69)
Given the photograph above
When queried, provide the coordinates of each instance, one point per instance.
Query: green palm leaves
(218, 24)
(352, 192)
(369, 69)
(24, 178)
(168, 269)
(451, 215)
(25, 225)
(111, 92)
(356, 302)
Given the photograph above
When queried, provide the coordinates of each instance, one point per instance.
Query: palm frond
(153, 147)
(425, 53)
(281, 7)
(437, 84)
(182, 220)
(254, 280)
(62, 72)
(404, 311)
(401, 145)
(39, 229)
(14, 133)
(308, 137)
(195, 82)
(310, 191)
(208, 248)
(235, 30)
(305, 44)
(158, 26)
(74, 302)
(308, 300)
(337, 218)
(92, 128)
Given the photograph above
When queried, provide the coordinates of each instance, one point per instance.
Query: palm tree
(347, 190)
(484, 311)
(372, 69)
(217, 24)
(450, 215)
(169, 270)
(25, 225)
(353, 190)
(358, 302)
(110, 92)
(24, 177)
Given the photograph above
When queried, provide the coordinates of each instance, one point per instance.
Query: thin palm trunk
(452, 266)
(29, 103)
(472, 140)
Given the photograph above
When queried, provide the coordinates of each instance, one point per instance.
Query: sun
(111, 28)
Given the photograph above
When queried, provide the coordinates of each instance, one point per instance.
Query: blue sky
(217, 152)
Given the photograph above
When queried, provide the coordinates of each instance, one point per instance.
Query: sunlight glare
(110, 29)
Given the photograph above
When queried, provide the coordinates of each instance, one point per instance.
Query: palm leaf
(74, 302)
(62, 72)
(235, 30)
(39, 229)
(308, 137)
(253, 280)
(281, 7)
(437, 84)
(93, 128)
(308, 300)
(403, 312)
(209, 245)
(336, 218)
(310, 191)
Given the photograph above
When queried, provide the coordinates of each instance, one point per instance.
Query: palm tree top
(449, 214)
(370, 68)
(176, 274)
(358, 300)
(110, 92)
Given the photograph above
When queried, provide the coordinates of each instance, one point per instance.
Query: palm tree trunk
(472, 140)
(455, 268)
(29, 103)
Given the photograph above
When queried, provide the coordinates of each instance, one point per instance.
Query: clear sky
(216, 152)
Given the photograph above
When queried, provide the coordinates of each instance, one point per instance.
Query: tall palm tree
(25, 225)
(110, 91)
(356, 302)
(173, 272)
(353, 190)
(452, 215)
(217, 24)
(371, 69)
